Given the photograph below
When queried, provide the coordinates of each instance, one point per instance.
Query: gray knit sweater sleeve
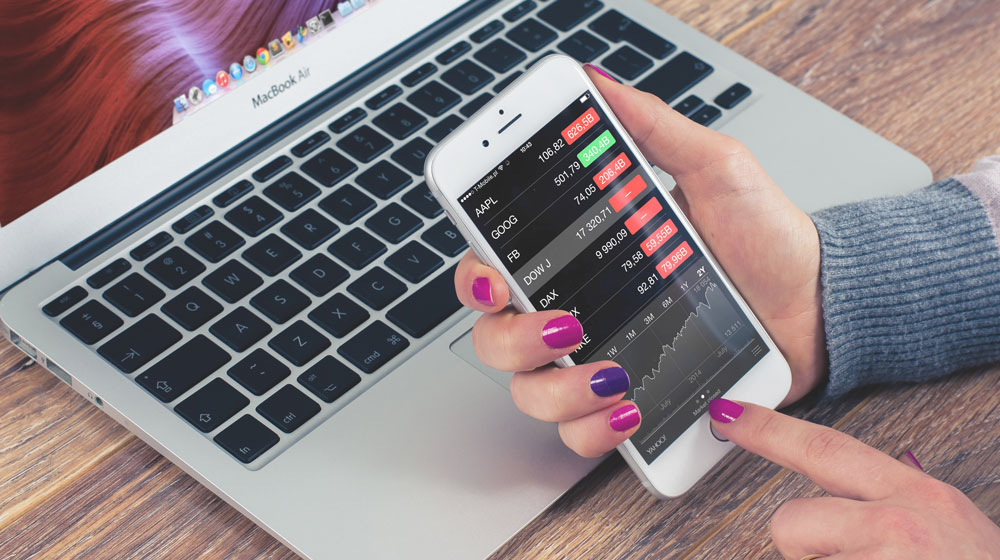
(911, 284)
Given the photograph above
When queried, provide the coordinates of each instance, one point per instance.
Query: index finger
(838, 463)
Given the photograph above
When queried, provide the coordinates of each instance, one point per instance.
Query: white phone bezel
(542, 92)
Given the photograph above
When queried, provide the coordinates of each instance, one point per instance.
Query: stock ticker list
(581, 227)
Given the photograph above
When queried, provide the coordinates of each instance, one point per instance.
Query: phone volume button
(450, 218)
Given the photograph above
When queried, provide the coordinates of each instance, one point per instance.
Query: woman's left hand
(879, 507)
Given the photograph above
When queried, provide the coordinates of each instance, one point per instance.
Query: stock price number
(589, 190)
(610, 245)
(549, 151)
(647, 284)
(632, 260)
(567, 174)
(602, 215)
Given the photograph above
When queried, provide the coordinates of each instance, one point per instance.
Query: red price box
(612, 171)
(674, 260)
(661, 236)
(642, 216)
(625, 195)
(580, 126)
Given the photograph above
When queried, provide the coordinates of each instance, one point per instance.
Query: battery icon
(585, 97)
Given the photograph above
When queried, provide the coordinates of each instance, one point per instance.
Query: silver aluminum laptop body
(428, 458)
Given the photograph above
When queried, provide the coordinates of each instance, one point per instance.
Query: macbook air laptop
(215, 228)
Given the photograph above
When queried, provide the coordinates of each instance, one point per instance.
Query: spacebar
(675, 77)
(425, 308)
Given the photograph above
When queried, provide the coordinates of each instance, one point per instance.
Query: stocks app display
(580, 227)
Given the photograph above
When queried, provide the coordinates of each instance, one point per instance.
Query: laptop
(229, 247)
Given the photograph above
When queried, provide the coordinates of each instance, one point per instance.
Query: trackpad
(462, 347)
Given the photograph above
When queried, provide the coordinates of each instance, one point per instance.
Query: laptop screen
(92, 79)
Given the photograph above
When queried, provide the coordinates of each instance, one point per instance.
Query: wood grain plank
(722, 20)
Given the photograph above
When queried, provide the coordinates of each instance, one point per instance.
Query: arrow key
(211, 405)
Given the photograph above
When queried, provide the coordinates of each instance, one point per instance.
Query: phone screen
(581, 227)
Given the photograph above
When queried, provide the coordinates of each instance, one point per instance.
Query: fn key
(246, 438)
(371, 348)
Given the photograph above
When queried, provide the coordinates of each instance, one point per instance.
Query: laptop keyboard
(266, 305)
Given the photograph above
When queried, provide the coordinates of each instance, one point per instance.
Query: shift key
(183, 368)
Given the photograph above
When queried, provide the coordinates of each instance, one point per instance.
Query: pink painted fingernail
(724, 410)
(625, 418)
(482, 291)
(599, 71)
(562, 332)
(911, 457)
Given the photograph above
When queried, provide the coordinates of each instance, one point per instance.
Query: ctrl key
(246, 439)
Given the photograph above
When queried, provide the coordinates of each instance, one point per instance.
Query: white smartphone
(550, 190)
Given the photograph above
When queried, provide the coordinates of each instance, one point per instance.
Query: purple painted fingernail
(562, 332)
(482, 291)
(625, 418)
(609, 381)
(599, 71)
(911, 457)
(724, 410)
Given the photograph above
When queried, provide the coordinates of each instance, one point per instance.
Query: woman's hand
(767, 246)
(878, 507)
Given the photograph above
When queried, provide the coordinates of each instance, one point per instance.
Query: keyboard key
(192, 219)
(539, 58)
(259, 371)
(240, 329)
(627, 62)
(519, 11)
(689, 105)
(357, 248)
(393, 223)
(427, 307)
(215, 241)
(678, 75)
(531, 35)
(280, 301)
(183, 368)
(232, 281)
(349, 119)
(62, 303)
(434, 98)
(308, 145)
(233, 193)
(399, 121)
(347, 204)
(246, 439)
(412, 155)
(328, 167)
(271, 170)
(112, 270)
(418, 75)
(583, 46)
(476, 104)
(310, 229)
(288, 408)
(191, 308)
(272, 254)
(134, 347)
(486, 31)
(414, 262)
(373, 347)
(291, 192)
(384, 179)
(420, 199)
(379, 100)
(319, 275)
(339, 315)
(566, 14)
(614, 26)
(328, 379)
(133, 294)
(453, 52)
(445, 238)
(501, 85)
(377, 288)
(706, 115)
(91, 322)
(151, 246)
(500, 55)
(443, 128)
(211, 405)
(175, 268)
(253, 216)
(732, 96)
(299, 343)
(364, 143)
(467, 77)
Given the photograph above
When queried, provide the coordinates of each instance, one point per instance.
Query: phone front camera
(501, 111)
(486, 143)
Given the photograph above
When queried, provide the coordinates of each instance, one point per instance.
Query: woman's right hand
(767, 246)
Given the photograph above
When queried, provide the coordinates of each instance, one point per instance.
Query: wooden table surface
(922, 73)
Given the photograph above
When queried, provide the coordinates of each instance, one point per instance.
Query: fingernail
(482, 291)
(562, 332)
(625, 418)
(609, 381)
(599, 71)
(724, 410)
(911, 457)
